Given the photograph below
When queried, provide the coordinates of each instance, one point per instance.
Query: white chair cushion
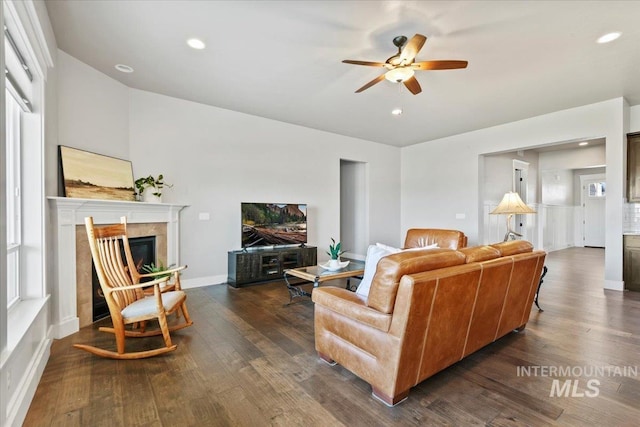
(147, 305)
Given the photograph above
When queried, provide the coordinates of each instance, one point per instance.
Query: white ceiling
(282, 59)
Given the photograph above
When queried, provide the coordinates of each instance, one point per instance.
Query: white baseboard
(198, 282)
(66, 328)
(18, 407)
(614, 285)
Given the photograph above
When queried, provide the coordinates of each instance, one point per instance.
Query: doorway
(552, 186)
(520, 172)
(593, 201)
(354, 206)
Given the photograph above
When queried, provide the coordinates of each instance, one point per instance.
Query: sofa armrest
(351, 305)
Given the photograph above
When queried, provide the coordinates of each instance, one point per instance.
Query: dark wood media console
(265, 265)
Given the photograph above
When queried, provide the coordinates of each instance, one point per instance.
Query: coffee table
(317, 275)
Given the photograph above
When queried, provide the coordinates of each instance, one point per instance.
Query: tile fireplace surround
(69, 292)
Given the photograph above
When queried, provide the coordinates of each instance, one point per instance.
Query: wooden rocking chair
(127, 300)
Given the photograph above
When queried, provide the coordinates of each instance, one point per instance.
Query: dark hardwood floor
(250, 361)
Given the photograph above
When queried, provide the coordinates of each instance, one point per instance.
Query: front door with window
(593, 206)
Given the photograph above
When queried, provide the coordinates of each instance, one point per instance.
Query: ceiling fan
(402, 66)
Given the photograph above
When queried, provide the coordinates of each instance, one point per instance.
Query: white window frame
(13, 198)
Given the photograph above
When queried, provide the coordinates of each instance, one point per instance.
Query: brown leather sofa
(449, 239)
(425, 311)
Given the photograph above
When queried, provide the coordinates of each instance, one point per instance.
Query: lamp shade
(399, 74)
(512, 204)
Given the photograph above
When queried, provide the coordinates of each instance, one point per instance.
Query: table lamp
(510, 205)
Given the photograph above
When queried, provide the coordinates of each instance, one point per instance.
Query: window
(13, 159)
(597, 189)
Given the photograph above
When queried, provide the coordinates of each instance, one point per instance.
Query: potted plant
(334, 252)
(153, 269)
(149, 189)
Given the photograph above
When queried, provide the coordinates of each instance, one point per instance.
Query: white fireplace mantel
(66, 214)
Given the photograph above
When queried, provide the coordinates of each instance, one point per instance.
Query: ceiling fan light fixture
(399, 74)
(396, 111)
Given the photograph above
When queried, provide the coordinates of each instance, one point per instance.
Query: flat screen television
(271, 224)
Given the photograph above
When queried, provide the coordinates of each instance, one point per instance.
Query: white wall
(93, 109)
(573, 158)
(442, 177)
(557, 187)
(634, 119)
(217, 158)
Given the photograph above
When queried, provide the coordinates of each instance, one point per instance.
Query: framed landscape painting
(88, 175)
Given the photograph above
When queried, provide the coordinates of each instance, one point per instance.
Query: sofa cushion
(480, 253)
(391, 268)
(513, 247)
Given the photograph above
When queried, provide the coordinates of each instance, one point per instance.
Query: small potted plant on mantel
(335, 251)
(149, 189)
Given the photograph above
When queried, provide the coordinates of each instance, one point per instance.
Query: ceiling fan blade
(413, 85)
(369, 63)
(411, 49)
(439, 65)
(371, 83)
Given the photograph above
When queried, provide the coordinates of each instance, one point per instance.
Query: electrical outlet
(203, 216)
(460, 216)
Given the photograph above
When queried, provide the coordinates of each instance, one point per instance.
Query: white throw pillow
(374, 253)
(388, 248)
(419, 248)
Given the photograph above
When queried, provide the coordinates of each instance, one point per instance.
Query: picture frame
(87, 175)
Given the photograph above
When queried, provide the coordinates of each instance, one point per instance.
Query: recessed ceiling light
(609, 37)
(396, 111)
(196, 43)
(124, 68)
(582, 144)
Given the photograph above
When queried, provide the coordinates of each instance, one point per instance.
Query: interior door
(593, 205)
(520, 187)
